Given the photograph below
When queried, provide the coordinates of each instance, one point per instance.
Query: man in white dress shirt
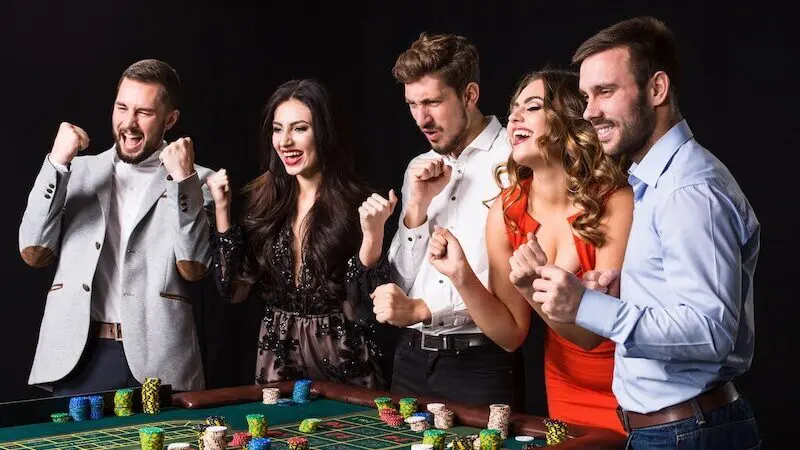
(441, 351)
(128, 230)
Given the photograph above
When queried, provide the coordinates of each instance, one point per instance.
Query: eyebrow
(529, 99)
(151, 110)
(275, 122)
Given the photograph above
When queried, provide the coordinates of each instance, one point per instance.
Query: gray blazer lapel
(157, 186)
(101, 169)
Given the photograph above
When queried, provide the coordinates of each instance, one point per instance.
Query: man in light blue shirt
(684, 322)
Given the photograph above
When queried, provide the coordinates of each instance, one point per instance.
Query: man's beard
(635, 136)
(457, 143)
(149, 149)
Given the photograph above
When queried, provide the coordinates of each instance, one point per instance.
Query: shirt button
(459, 170)
(97, 245)
(410, 239)
(85, 287)
(441, 281)
(453, 198)
(46, 195)
(52, 185)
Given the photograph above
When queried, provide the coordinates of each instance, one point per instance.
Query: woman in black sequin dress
(310, 246)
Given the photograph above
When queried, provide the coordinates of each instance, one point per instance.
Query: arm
(407, 250)
(40, 229)
(192, 247)
(227, 241)
(701, 234)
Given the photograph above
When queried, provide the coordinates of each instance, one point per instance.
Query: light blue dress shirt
(685, 320)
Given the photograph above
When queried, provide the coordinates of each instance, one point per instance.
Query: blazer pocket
(56, 287)
(180, 298)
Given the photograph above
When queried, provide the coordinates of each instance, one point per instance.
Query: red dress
(578, 382)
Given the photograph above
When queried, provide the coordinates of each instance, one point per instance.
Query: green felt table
(349, 422)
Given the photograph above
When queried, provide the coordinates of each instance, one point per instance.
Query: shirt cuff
(441, 318)
(187, 177)
(597, 312)
(59, 167)
(414, 239)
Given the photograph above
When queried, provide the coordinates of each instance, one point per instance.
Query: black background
(61, 62)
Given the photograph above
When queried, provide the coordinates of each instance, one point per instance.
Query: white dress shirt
(129, 184)
(462, 207)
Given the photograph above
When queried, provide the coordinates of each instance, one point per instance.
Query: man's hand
(604, 281)
(559, 292)
(427, 178)
(69, 141)
(178, 158)
(391, 305)
(446, 255)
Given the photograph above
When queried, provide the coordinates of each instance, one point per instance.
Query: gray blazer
(65, 222)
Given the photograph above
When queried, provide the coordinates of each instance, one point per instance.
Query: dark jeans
(102, 367)
(731, 427)
(479, 375)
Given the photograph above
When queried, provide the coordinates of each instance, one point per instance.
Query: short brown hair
(651, 45)
(449, 56)
(159, 72)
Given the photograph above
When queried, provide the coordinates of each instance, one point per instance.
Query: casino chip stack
(79, 408)
(391, 417)
(240, 439)
(271, 395)
(257, 425)
(417, 423)
(499, 416)
(151, 402)
(309, 425)
(421, 447)
(151, 438)
(556, 431)
(215, 438)
(490, 440)
(179, 446)
(61, 417)
(259, 443)
(408, 406)
(434, 438)
(123, 402)
(383, 402)
(301, 393)
(296, 443)
(216, 420)
(97, 404)
(463, 442)
(443, 419)
(200, 428)
(428, 416)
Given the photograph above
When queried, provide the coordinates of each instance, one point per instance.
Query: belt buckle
(432, 349)
(116, 330)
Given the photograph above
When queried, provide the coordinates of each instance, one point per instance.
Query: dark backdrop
(61, 61)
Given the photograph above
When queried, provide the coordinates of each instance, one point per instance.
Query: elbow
(515, 343)
(192, 270)
(38, 256)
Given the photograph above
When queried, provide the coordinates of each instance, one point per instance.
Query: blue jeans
(731, 427)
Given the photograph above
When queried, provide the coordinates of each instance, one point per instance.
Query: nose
(592, 110)
(286, 140)
(423, 117)
(128, 120)
(514, 115)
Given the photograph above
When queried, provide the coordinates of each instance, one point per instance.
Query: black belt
(446, 342)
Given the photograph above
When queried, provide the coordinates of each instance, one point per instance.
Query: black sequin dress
(309, 331)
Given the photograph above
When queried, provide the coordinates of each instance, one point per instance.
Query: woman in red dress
(564, 202)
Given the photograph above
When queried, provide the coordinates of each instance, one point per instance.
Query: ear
(471, 94)
(658, 88)
(172, 118)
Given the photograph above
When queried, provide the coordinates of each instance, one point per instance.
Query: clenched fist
(428, 177)
(220, 189)
(524, 261)
(178, 158)
(391, 305)
(374, 212)
(69, 141)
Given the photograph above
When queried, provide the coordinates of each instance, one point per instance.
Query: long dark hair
(332, 231)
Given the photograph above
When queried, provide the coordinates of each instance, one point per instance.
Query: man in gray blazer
(128, 230)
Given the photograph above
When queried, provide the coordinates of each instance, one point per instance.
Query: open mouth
(520, 135)
(604, 132)
(432, 135)
(131, 141)
(292, 157)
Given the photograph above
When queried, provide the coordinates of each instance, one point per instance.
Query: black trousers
(102, 367)
(478, 375)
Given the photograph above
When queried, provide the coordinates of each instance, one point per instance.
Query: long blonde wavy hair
(592, 176)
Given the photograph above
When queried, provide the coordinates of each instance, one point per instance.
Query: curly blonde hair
(592, 176)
